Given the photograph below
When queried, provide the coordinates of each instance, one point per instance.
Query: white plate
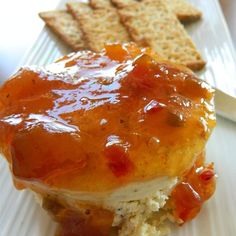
(20, 215)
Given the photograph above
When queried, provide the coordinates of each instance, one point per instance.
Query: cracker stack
(66, 27)
(151, 23)
(99, 26)
(185, 11)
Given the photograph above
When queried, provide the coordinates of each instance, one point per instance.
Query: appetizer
(112, 143)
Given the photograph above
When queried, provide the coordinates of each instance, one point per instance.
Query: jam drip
(197, 186)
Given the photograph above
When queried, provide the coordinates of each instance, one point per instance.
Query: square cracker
(66, 27)
(185, 11)
(99, 26)
(151, 23)
(101, 3)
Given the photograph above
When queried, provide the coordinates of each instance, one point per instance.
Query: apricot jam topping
(197, 186)
(94, 122)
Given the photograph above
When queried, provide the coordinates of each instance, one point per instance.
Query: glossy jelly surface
(95, 122)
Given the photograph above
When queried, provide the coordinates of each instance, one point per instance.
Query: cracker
(100, 3)
(124, 3)
(185, 11)
(66, 27)
(99, 26)
(151, 24)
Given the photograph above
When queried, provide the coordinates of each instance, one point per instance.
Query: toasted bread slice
(66, 27)
(99, 25)
(150, 23)
(185, 11)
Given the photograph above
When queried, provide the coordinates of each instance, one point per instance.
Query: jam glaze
(95, 122)
(115, 117)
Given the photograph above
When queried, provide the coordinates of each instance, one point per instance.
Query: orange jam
(196, 187)
(97, 121)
